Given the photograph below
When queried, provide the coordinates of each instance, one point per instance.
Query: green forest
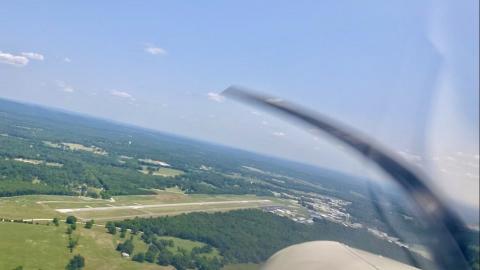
(244, 236)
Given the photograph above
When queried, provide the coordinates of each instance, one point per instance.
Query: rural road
(86, 209)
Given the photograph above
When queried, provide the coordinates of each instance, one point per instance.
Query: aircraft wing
(330, 255)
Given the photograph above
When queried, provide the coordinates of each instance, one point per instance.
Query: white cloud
(151, 49)
(65, 87)
(278, 134)
(122, 94)
(33, 56)
(66, 59)
(215, 97)
(19, 60)
(14, 60)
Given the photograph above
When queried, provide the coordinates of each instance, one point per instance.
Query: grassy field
(188, 245)
(44, 206)
(167, 172)
(242, 266)
(45, 247)
(79, 147)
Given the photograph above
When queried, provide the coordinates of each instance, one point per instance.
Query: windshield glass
(121, 149)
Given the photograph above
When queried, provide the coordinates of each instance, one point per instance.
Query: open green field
(45, 247)
(162, 171)
(188, 246)
(163, 203)
(167, 172)
(242, 266)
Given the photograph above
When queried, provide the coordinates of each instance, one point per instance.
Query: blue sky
(403, 72)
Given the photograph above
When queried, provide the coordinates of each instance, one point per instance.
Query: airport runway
(86, 209)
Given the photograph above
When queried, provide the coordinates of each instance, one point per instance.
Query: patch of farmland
(160, 171)
(154, 162)
(77, 147)
(38, 162)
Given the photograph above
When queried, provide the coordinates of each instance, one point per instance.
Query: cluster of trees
(159, 251)
(71, 222)
(208, 182)
(253, 235)
(123, 231)
(126, 246)
(9, 187)
(72, 243)
(89, 224)
(76, 263)
(111, 228)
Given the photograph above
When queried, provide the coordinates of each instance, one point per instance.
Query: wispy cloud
(66, 59)
(122, 94)
(152, 49)
(33, 56)
(279, 134)
(215, 97)
(20, 60)
(65, 87)
(14, 60)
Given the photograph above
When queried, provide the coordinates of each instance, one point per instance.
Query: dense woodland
(252, 235)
